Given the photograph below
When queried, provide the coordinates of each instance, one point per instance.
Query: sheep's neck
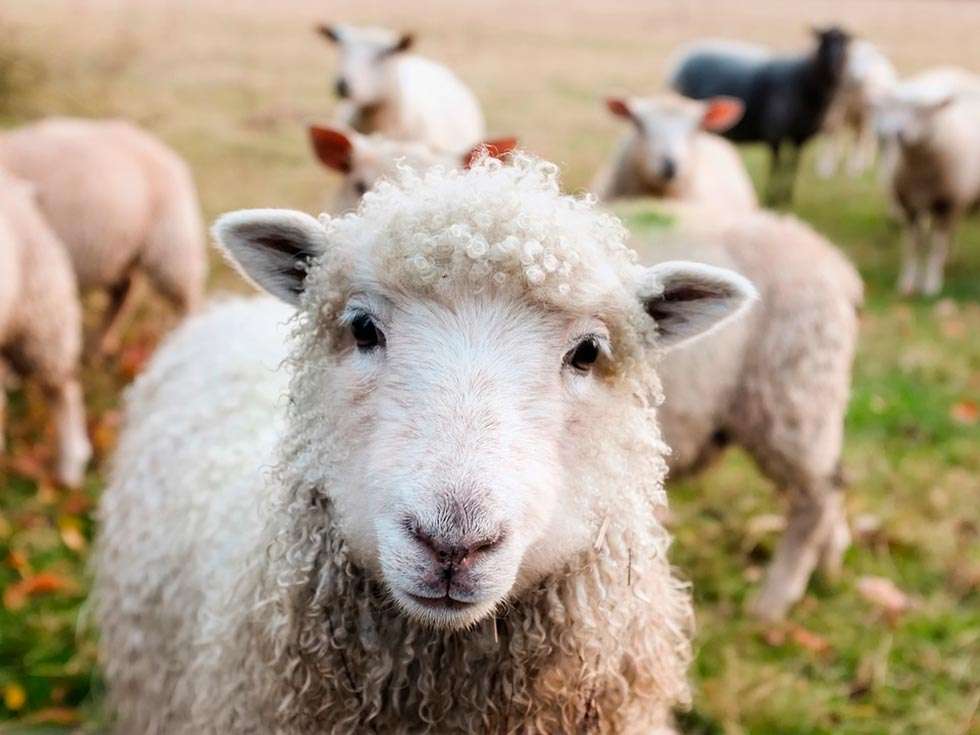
(545, 660)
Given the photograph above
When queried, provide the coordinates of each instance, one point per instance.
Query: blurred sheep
(386, 90)
(41, 322)
(364, 160)
(932, 123)
(785, 98)
(121, 202)
(461, 531)
(672, 153)
(775, 383)
(868, 77)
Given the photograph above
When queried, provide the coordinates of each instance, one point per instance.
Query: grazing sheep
(785, 98)
(670, 153)
(776, 382)
(400, 95)
(868, 77)
(364, 160)
(121, 202)
(41, 321)
(933, 123)
(444, 519)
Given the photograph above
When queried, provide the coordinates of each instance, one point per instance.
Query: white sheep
(933, 123)
(41, 321)
(364, 160)
(403, 96)
(776, 382)
(121, 202)
(849, 122)
(441, 514)
(672, 153)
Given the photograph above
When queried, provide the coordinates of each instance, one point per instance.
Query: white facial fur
(463, 436)
(908, 119)
(665, 132)
(364, 54)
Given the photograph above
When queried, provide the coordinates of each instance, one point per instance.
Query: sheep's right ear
(273, 248)
(722, 113)
(333, 147)
(688, 300)
(331, 33)
(619, 107)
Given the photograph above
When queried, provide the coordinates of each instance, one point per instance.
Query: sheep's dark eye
(584, 355)
(366, 334)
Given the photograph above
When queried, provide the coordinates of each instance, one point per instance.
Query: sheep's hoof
(768, 607)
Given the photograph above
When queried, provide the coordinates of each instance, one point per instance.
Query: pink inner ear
(618, 107)
(496, 148)
(332, 147)
(722, 113)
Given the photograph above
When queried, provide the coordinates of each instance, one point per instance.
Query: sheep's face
(463, 431)
(665, 131)
(909, 120)
(364, 56)
(364, 160)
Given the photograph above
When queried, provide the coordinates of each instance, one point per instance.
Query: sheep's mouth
(440, 603)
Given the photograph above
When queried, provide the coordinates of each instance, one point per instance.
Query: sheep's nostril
(342, 89)
(452, 555)
(669, 169)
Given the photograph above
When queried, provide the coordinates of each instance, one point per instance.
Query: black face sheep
(785, 98)
(41, 321)
(440, 514)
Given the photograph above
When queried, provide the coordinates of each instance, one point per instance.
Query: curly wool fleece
(307, 640)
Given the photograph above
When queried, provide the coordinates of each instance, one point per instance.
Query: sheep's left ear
(688, 300)
(403, 44)
(722, 113)
(273, 248)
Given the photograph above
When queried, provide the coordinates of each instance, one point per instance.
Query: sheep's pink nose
(459, 554)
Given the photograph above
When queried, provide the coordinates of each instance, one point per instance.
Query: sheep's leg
(830, 154)
(932, 277)
(74, 450)
(775, 175)
(3, 405)
(865, 149)
(121, 305)
(792, 169)
(913, 239)
(812, 518)
(838, 538)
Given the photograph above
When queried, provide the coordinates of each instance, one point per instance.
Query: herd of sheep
(419, 485)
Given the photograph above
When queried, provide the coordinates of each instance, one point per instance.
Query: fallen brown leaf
(16, 595)
(885, 595)
(965, 412)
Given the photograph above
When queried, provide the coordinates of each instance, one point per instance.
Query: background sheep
(121, 202)
(776, 382)
(465, 338)
(41, 322)
(400, 95)
(849, 122)
(933, 123)
(785, 98)
(671, 153)
(364, 160)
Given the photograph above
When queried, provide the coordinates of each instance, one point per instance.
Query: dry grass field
(231, 84)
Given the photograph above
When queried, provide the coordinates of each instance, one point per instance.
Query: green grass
(912, 452)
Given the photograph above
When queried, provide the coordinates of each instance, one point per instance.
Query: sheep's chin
(444, 617)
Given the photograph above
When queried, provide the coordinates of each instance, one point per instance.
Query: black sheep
(785, 98)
